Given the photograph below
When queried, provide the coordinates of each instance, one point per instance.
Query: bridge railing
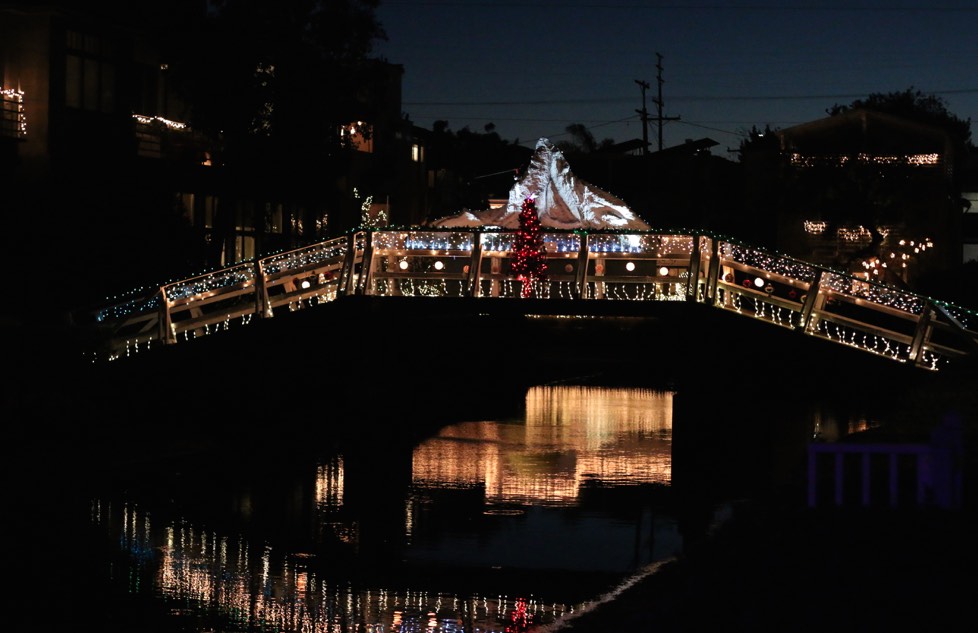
(873, 317)
(580, 265)
(619, 266)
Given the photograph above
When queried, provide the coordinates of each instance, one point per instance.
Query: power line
(673, 7)
(590, 127)
(675, 98)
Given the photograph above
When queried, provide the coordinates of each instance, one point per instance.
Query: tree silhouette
(470, 167)
(278, 84)
(917, 106)
(582, 141)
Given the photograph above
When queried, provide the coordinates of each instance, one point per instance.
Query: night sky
(534, 67)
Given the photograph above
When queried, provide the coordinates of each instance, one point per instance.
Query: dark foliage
(471, 167)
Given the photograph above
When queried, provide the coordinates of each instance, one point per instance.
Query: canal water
(513, 523)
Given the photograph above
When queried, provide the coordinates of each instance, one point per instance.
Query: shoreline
(805, 570)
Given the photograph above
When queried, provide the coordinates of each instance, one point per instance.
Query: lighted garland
(424, 241)
(932, 159)
(636, 243)
(16, 97)
(560, 243)
(499, 242)
(533, 242)
(167, 123)
(529, 265)
(209, 283)
(883, 295)
(763, 260)
(303, 258)
(138, 305)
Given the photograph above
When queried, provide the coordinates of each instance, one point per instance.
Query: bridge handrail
(654, 265)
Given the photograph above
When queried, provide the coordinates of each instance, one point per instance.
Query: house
(870, 193)
(109, 184)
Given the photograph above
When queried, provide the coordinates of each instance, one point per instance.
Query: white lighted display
(329, 267)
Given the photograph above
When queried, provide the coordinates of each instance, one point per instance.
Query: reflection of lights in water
(408, 519)
(862, 424)
(221, 577)
(827, 428)
(572, 435)
(329, 500)
(329, 484)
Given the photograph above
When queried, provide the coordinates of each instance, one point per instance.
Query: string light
(420, 262)
(838, 160)
(16, 111)
(167, 123)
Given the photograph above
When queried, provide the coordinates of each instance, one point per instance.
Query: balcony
(13, 123)
(158, 137)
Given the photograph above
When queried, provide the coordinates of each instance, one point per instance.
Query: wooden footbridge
(584, 269)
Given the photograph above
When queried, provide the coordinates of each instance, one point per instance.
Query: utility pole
(658, 102)
(645, 118)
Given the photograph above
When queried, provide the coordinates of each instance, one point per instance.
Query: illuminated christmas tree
(529, 265)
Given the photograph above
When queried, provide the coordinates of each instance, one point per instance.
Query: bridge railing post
(808, 307)
(348, 277)
(261, 291)
(921, 334)
(473, 282)
(166, 330)
(366, 265)
(713, 273)
(582, 263)
(692, 283)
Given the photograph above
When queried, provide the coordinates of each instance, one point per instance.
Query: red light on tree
(520, 618)
(528, 264)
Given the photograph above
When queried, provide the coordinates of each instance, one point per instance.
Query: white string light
(398, 251)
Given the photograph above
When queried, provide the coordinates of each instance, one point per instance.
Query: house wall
(25, 62)
(970, 229)
(92, 185)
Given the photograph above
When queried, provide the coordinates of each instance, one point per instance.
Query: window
(90, 74)
(417, 153)
(970, 253)
(244, 247)
(359, 136)
(273, 217)
(210, 211)
(244, 217)
(187, 205)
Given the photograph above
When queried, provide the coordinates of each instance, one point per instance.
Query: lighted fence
(13, 123)
(580, 266)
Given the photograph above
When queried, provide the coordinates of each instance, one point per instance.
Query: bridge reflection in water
(496, 513)
(584, 268)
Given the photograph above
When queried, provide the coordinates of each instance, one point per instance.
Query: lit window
(417, 153)
(359, 136)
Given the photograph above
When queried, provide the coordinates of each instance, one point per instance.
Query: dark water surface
(503, 524)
